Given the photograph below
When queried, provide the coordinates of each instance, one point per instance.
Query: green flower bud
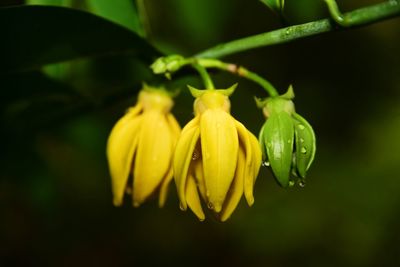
(167, 64)
(287, 140)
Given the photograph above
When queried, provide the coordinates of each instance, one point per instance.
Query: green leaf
(122, 12)
(49, 2)
(275, 5)
(278, 135)
(33, 36)
(305, 144)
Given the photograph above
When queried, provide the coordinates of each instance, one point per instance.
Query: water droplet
(301, 127)
(302, 184)
(181, 207)
(303, 150)
(291, 183)
(128, 190)
(210, 205)
(195, 155)
(301, 140)
(289, 141)
(288, 31)
(266, 164)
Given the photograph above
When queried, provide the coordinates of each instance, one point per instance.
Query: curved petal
(198, 174)
(244, 138)
(153, 156)
(252, 172)
(183, 156)
(192, 198)
(164, 187)
(121, 147)
(174, 125)
(219, 143)
(236, 190)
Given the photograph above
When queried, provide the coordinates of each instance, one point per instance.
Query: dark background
(55, 195)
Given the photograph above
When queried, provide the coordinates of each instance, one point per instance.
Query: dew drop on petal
(195, 155)
(210, 205)
(181, 207)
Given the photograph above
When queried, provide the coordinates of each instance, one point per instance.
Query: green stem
(208, 83)
(358, 17)
(239, 70)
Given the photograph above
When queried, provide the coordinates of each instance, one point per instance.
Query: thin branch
(358, 17)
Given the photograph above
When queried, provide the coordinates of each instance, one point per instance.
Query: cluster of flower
(214, 158)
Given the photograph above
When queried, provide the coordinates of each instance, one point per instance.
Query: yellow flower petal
(252, 172)
(164, 188)
(174, 125)
(236, 190)
(244, 138)
(198, 173)
(153, 155)
(192, 198)
(183, 157)
(120, 150)
(219, 143)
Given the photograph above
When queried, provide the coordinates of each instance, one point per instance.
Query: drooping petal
(164, 187)
(153, 155)
(198, 173)
(236, 190)
(257, 155)
(244, 138)
(120, 150)
(175, 128)
(183, 156)
(252, 172)
(219, 143)
(193, 199)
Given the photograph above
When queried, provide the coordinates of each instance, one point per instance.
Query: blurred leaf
(122, 12)
(33, 36)
(275, 5)
(32, 99)
(49, 2)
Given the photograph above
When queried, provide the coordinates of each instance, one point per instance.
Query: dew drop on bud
(303, 150)
(301, 127)
(301, 140)
(266, 164)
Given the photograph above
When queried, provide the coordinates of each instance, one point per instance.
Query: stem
(358, 17)
(208, 83)
(241, 71)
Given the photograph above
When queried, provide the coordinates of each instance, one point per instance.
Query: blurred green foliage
(55, 195)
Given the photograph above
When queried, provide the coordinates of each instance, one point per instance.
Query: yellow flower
(141, 146)
(216, 157)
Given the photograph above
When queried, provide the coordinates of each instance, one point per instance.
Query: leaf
(275, 5)
(122, 12)
(49, 2)
(33, 36)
